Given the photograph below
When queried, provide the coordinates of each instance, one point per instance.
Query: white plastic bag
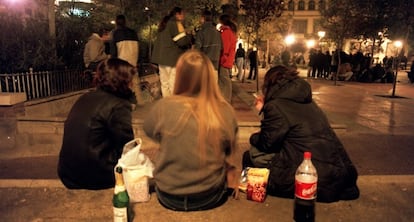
(137, 168)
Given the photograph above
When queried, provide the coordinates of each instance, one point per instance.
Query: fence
(39, 85)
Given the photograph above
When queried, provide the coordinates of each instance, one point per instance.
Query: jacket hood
(297, 90)
(223, 27)
(94, 36)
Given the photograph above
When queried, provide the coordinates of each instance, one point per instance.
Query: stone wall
(34, 127)
(8, 124)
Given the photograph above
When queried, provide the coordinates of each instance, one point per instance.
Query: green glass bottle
(120, 199)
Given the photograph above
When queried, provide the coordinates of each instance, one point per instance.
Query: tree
(25, 45)
(339, 22)
(365, 19)
(401, 23)
(256, 12)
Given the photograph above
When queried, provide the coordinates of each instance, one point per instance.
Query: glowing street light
(289, 40)
(398, 44)
(310, 43)
(321, 34)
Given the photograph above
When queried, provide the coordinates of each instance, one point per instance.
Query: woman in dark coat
(292, 124)
(97, 127)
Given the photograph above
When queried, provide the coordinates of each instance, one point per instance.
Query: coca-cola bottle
(306, 180)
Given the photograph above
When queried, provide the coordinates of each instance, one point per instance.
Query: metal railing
(39, 85)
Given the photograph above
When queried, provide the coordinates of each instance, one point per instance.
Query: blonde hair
(196, 83)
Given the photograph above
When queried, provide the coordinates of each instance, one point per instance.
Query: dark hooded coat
(292, 124)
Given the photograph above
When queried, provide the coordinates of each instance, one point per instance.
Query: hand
(259, 102)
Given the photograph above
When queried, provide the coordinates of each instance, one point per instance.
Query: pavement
(376, 129)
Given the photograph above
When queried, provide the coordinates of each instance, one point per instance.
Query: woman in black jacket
(97, 127)
(292, 124)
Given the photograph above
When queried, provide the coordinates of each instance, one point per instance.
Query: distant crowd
(355, 67)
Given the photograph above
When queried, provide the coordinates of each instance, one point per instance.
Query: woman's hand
(259, 101)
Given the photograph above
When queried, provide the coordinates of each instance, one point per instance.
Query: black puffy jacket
(292, 124)
(96, 129)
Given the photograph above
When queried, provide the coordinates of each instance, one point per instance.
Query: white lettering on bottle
(310, 191)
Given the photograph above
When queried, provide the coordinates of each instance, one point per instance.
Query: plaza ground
(376, 130)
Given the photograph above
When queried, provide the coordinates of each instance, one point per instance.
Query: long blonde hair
(196, 83)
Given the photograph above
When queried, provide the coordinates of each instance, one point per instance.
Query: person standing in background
(208, 39)
(240, 56)
(124, 45)
(94, 52)
(172, 41)
(228, 36)
(253, 64)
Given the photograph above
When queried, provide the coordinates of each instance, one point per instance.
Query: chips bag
(257, 183)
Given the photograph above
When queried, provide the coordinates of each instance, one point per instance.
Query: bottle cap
(118, 169)
(307, 155)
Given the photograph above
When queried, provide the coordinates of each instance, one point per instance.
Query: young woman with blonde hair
(196, 129)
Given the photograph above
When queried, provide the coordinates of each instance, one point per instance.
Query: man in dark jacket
(253, 64)
(240, 56)
(292, 124)
(208, 39)
(124, 45)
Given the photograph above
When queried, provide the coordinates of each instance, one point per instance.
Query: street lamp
(398, 45)
(147, 11)
(310, 43)
(321, 34)
(286, 57)
(289, 40)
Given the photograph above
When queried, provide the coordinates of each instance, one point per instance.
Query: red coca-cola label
(306, 191)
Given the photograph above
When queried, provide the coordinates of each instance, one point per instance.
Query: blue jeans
(194, 202)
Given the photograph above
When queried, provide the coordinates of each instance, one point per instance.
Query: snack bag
(257, 183)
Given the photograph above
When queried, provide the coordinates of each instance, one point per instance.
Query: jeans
(239, 64)
(256, 158)
(194, 202)
(224, 82)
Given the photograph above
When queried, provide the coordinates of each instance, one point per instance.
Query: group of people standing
(320, 64)
(122, 42)
(195, 124)
(173, 40)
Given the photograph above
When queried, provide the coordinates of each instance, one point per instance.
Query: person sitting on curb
(97, 128)
(196, 128)
(292, 124)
